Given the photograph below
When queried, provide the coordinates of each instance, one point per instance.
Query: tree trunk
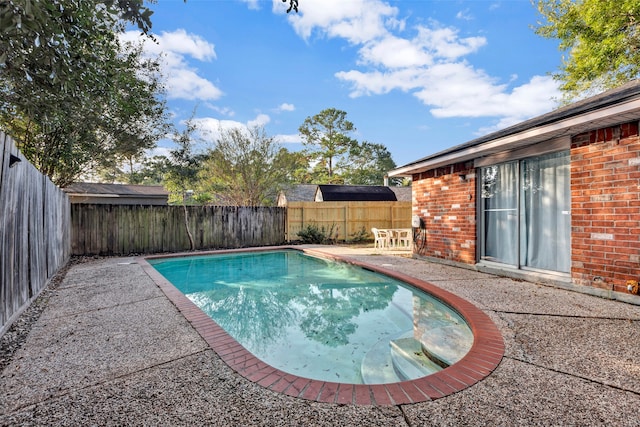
(186, 226)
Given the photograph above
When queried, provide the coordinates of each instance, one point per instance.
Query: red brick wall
(446, 204)
(605, 207)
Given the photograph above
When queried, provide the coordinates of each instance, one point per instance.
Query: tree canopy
(67, 134)
(336, 158)
(601, 39)
(183, 166)
(369, 164)
(74, 97)
(326, 142)
(246, 167)
(41, 41)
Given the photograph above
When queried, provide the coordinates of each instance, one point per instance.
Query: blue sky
(416, 76)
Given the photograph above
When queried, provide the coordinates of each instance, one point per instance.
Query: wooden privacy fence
(126, 229)
(347, 218)
(34, 232)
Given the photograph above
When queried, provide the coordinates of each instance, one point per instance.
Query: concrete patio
(110, 349)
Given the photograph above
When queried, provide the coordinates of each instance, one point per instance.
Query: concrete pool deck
(110, 349)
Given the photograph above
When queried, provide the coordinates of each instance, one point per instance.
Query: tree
(369, 164)
(339, 159)
(68, 134)
(73, 97)
(139, 118)
(152, 171)
(601, 38)
(182, 176)
(245, 168)
(326, 143)
(294, 165)
(149, 171)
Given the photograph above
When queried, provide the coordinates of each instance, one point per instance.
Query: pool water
(322, 319)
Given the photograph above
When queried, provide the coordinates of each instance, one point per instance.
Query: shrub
(360, 236)
(318, 235)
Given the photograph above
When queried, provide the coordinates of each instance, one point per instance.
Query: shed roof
(615, 106)
(403, 194)
(116, 190)
(300, 192)
(354, 193)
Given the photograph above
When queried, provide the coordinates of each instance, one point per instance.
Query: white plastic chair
(381, 238)
(403, 238)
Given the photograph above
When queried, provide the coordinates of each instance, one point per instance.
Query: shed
(354, 193)
(117, 194)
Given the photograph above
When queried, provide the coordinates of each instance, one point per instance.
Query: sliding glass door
(525, 213)
(500, 208)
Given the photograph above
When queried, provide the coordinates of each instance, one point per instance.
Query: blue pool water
(322, 319)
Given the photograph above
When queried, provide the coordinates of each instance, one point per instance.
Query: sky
(415, 76)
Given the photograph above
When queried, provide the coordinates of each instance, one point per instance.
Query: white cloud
(289, 139)
(380, 82)
(183, 43)
(526, 101)
(252, 4)
(464, 15)
(260, 120)
(356, 21)
(431, 63)
(464, 92)
(459, 90)
(211, 128)
(445, 43)
(186, 84)
(182, 79)
(225, 111)
(394, 52)
(286, 107)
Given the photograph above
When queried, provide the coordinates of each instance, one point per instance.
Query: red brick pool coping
(484, 356)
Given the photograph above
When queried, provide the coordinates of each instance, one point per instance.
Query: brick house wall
(447, 205)
(605, 209)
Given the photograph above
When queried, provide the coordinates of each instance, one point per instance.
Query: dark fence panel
(98, 229)
(34, 232)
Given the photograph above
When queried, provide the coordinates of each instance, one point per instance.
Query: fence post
(346, 221)
(393, 225)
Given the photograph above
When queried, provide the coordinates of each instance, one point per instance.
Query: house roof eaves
(567, 121)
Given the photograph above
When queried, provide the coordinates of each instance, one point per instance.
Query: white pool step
(446, 345)
(402, 357)
(409, 361)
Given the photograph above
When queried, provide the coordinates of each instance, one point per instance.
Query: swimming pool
(313, 321)
(320, 318)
